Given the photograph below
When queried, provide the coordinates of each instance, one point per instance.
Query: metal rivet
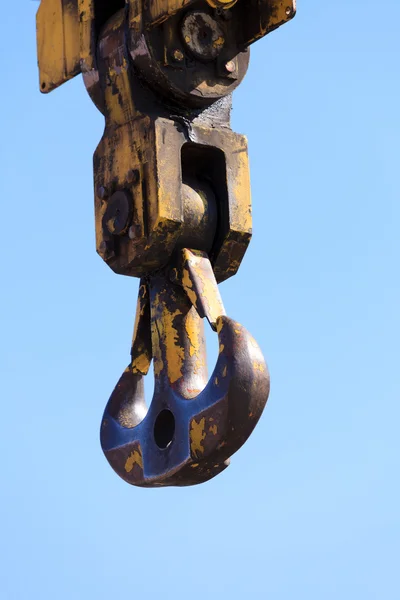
(230, 66)
(118, 213)
(102, 192)
(134, 231)
(106, 249)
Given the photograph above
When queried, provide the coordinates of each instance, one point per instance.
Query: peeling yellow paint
(158, 365)
(219, 324)
(164, 333)
(188, 286)
(135, 458)
(175, 354)
(193, 332)
(197, 435)
(219, 42)
(140, 364)
(213, 429)
(258, 366)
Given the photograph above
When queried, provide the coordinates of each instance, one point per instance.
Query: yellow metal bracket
(64, 40)
(66, 37)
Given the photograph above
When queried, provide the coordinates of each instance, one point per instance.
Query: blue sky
(309, 508)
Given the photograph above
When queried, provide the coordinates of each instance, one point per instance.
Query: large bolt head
(118, 213)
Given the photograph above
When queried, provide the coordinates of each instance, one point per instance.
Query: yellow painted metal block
(281, 12)
(267, 15)
(85, 32)
(57, 23)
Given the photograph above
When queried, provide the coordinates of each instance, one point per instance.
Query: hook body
(193, 426)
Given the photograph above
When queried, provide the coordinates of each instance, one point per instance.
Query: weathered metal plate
(58, 45)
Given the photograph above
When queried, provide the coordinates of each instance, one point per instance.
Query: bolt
(133, 176)
(118, 213)
(102, 192)
(134, 232)
(106, 249)
(230, 66)
(288, 11)
(178, 55)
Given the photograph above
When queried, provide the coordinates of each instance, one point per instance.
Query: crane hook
(173, 207)
(193, 426)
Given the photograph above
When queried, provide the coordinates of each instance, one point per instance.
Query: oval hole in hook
(164, 429)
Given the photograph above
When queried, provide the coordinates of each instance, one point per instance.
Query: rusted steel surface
(173, 207)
